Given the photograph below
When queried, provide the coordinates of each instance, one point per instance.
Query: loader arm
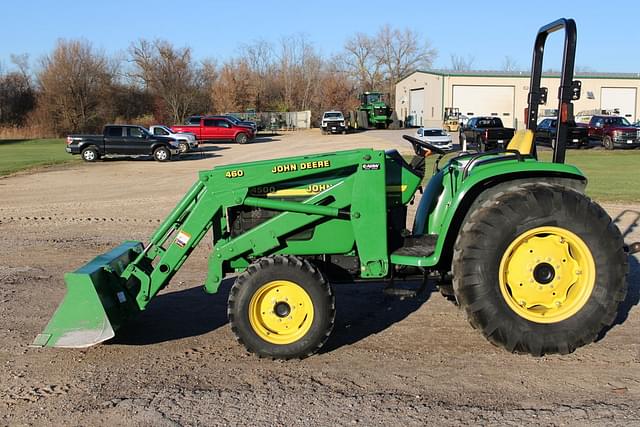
(349, 203)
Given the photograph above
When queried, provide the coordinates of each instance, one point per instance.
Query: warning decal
(182, 238)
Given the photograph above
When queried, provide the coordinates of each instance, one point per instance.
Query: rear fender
(90, 144)
(448, 199)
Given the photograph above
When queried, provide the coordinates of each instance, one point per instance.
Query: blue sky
(608, 36)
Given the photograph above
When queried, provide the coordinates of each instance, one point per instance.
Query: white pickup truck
(186, 140)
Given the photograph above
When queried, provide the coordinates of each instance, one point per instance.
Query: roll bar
(569, 89)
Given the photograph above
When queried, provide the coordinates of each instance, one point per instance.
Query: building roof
(526, 74)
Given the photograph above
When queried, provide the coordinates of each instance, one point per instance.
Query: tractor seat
(522, 142)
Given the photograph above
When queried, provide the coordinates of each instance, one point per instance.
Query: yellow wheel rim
(547, 274)
(281, 312)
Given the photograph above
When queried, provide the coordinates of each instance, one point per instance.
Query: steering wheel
(419, 145)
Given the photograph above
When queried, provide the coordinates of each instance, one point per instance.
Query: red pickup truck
(217, 128)
(612, 132)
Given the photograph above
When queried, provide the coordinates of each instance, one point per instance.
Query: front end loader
(537, 266)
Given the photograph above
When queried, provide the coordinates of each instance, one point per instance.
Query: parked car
(186, 140)
(487, 133)
(547, 129)
(123, 140)
(333, 122)
(217, 128)
(194, 120)
(436, 136)
(239, 122)
(612, 132)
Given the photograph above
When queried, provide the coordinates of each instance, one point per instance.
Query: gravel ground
(389, 362)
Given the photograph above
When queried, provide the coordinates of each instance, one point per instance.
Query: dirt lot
(388, 362)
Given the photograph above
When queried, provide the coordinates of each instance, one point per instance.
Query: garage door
(496, 101)
(416, 106)
(622, 99)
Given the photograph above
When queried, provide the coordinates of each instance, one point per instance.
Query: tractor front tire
(281, 307)
(540, 269)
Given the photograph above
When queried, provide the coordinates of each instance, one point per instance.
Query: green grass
(17, 155)
(614, 176)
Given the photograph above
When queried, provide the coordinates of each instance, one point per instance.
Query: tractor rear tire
(281, 307)
(540, 269)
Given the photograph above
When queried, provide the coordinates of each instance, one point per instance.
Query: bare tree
(75, 86)
(381, 60)
(401, 52)
(21, 61)
(234, 90)
(299, 69)
(169, 74)
(458, 63)
(17, 95)
(337, 89)
(361, 62)
(17, 98)
(509, 64)
(259, 56)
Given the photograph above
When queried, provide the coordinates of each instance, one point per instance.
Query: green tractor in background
(374, 111)
(535, 264)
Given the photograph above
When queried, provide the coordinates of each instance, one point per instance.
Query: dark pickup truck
(487, 133)
(123, 140)
(612, 132)
(547, 129)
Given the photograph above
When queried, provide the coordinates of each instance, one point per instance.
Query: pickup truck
(217, 128)
(612, 132)
(333, 122)
(547, 129)
(487, 133)
(186, 140)
(122, 140)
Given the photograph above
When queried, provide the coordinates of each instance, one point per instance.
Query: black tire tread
(281, 261)
(528, 198)
(90, 148)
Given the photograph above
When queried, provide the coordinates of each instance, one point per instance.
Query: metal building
(422, 96)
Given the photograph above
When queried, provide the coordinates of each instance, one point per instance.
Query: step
(418, 246)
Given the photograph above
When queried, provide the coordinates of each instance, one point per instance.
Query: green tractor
(376, 110)
(536, 265)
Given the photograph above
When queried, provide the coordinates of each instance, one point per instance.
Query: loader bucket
(96, 303)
